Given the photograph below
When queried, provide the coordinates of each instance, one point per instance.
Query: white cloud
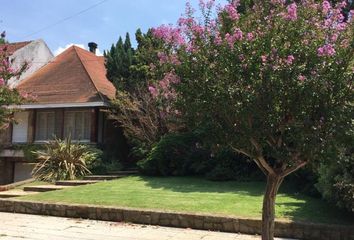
(62, 49)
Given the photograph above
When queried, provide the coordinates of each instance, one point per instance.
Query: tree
(136, 110)
(118, 62)
(275, 82)
(8, 96)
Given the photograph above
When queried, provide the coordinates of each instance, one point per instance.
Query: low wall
(14, 185)
(287, 229)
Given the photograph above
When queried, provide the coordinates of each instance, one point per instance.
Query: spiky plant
(63, 160)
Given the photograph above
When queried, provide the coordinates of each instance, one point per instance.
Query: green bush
(228, 165)
(336, 180)
(64, 160)
(183, 154)
(175, 155)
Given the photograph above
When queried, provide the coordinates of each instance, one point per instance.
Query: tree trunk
(268, 215)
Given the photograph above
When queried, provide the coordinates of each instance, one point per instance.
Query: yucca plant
(63, 160)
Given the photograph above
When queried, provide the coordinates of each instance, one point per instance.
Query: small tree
(274, 82)
(137, 107)
(8, 96)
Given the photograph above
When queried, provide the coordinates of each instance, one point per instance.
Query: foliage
(274, 83)
(64, 160)
(118, 61)
(134, 109)
(228, 165)
(175, 155)
(336, 179)
(8, 96)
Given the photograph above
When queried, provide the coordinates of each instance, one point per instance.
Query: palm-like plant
(63, 160)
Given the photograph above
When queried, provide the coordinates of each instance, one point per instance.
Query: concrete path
(25, 227)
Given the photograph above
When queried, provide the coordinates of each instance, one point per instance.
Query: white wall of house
(20, 128)
(36, 54)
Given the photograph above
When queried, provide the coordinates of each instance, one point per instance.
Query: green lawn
(190, 194)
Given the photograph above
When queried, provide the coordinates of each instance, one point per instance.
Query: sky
(58, 23)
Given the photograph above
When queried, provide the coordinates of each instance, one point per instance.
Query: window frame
(36, 132)
(89, 125)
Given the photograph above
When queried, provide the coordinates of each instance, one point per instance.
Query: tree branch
(293, 169)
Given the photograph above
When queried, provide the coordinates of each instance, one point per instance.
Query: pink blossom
(2, 82)
(264, 58)
(250, 36)
(326, 50)
(241, 57)
(290, 59)
(169, 34)
(174, 60)
(232, 12)
(238, 35)
(218, 39)
(162, 57)
(326, 7)
(341, 26)
(334, 37)
(292, 12)
(153, 91)
(301, 78)
(230, 40)
(198, 29)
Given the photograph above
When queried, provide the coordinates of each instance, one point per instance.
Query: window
(77, 124)
(45, 126)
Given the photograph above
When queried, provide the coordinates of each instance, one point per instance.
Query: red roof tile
(74, 76)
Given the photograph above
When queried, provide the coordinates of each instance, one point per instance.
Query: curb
(286, 229)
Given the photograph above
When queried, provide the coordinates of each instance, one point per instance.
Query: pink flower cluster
(231, 10)
(292, 12)
(236, 36)
(326, 50)
(164, 88)
(290, 59)
(169, 34)
(326, 7)
(164, 58)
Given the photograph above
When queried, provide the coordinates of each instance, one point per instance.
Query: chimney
(92, 46)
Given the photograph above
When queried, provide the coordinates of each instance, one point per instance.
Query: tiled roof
(13, 47)
(74, 76)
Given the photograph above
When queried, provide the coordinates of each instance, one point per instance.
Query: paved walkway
(25, 227)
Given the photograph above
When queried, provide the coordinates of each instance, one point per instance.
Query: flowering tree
(274, 82)
(8, 96)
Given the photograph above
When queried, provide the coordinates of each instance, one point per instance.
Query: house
(36, 53)
(71, 96)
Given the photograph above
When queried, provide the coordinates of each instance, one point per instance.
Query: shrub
(336, 180)
(64, 160)
(176, 155)
(228, 165)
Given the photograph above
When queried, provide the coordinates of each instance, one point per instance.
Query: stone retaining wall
(285, 229)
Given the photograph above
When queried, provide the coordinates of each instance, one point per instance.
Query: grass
(188, 194)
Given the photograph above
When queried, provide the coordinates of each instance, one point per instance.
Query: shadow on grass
(315, 211)
(201, 185)
(289, 203)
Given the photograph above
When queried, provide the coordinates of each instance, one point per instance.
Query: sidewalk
(25, 227)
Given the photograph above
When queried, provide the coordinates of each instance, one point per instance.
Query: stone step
(124, 172)
(102, 177)
(15, 193)
(44, 188)
(76, 182)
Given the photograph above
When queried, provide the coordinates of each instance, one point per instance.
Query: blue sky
(102, 24)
